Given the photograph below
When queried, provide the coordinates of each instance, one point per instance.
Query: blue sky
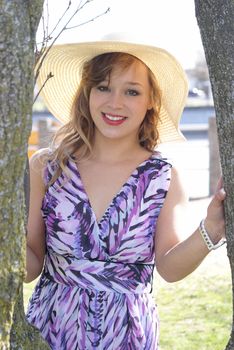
(170, 24)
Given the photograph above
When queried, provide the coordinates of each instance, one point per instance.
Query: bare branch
(45, 24)
(60, 19)
(49, 76)
(88, 21)
(47, 20)
(79, 8)
(42, 54)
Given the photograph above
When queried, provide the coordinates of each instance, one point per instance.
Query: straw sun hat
(65, 63)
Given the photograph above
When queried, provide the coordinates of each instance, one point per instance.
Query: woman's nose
(115, 99)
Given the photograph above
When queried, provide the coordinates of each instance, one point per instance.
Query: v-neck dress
(95, 291)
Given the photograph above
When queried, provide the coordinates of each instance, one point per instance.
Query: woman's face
(118, 105)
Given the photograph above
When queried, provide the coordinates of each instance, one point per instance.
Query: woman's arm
(35, 228)
(176, 259)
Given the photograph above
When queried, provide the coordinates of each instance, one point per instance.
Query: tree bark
(215, 20)
(18, 24)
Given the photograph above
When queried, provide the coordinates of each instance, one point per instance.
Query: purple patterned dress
(95, 289)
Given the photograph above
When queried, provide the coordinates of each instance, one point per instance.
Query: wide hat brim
(65, 63)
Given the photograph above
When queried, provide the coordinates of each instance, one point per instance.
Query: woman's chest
(103, 183)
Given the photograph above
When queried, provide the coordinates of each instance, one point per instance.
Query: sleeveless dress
(95, 289)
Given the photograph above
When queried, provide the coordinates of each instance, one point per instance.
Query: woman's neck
(114, 150)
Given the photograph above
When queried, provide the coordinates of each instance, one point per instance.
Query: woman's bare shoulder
(39, 160)
(41, 156)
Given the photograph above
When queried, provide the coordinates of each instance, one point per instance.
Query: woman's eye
(132, 92)
(102, 88)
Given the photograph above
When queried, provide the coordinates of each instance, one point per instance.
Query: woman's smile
(112, 119)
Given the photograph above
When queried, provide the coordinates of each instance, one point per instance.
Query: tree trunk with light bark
(18, 24)
(215, 20)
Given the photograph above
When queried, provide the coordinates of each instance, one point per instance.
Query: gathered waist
(99, 275)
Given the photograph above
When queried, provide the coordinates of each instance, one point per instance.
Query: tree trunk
(215, 20)
(18, 23)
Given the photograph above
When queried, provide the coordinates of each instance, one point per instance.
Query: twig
(42, 56)
(60, 19)
(48, 17)
(49, 76)
(90, 20)
(45, 40)
(48, 37)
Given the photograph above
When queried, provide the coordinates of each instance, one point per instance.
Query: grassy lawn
(28, 289)
(195, 313)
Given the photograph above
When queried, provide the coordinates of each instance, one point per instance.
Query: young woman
(105, 207)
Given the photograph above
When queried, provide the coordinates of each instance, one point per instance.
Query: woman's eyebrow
(133, 83)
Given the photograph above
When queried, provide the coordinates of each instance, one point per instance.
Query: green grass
(28, 289)
(196, 313)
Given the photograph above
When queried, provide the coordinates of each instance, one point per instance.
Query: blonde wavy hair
(78, 133)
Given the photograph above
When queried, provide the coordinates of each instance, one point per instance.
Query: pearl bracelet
(210, 245)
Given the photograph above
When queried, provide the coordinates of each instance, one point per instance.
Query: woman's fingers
(219, 184)
(220, 194)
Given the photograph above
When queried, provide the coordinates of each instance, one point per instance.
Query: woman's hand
(214, 221)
